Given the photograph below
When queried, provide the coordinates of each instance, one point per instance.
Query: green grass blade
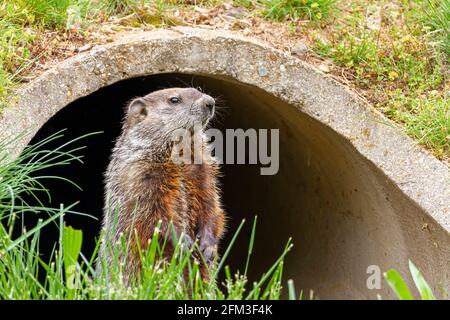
(250, 246)
(396, 282)
(72, 240)
(421, 284)
(291, 289)
(227, 252)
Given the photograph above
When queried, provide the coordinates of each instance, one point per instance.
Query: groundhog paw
(209, 253)
(186, 241)
(208, 247)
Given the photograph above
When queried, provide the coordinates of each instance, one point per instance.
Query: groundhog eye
(174, 100)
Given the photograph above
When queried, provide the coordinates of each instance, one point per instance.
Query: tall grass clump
(121, 6)
(19, 177)
(428, 120)
(435, 16)
(51, 14)
(68, 274)
(14, 47)
(283, 10)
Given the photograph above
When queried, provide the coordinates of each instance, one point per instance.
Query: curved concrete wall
(352, 191)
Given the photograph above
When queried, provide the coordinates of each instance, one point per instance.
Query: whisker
(185, 83)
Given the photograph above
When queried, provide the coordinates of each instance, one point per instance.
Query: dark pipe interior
(341, 211)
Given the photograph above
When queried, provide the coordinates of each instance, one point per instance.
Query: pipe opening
(342, 213)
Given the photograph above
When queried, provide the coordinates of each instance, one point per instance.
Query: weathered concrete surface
(389, 198)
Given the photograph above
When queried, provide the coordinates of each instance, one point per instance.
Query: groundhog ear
(137, 107)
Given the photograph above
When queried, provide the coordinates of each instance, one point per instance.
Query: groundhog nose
(209, 104)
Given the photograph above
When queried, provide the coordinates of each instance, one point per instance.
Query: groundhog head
(170, 109)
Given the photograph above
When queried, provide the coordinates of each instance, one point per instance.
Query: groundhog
(144, 185)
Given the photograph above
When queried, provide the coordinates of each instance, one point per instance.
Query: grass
(389, 51)
(425, 118)
(70, 275)
(436, 19)
(14, 51)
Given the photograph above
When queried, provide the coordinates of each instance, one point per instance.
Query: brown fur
(145, 186)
